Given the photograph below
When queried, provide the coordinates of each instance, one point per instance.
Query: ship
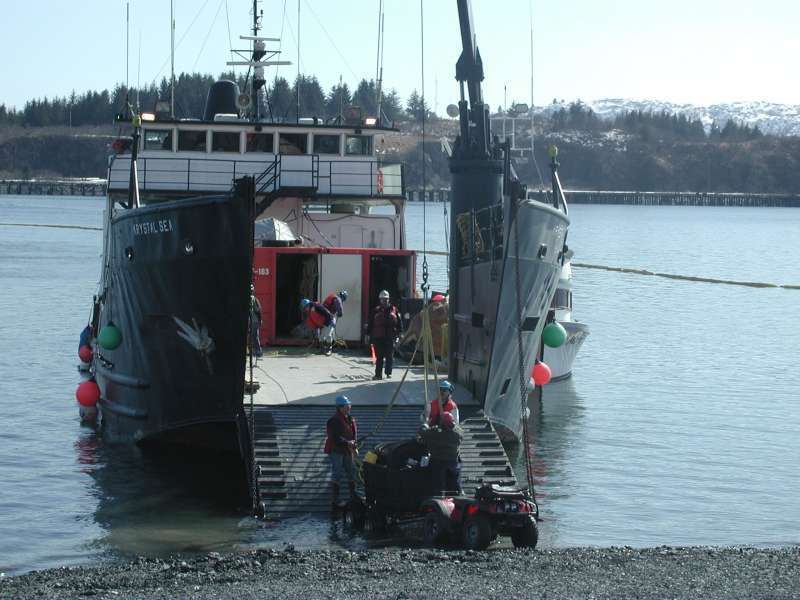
(170, 320)
(561, 359)
(506, 254)
(169, 323)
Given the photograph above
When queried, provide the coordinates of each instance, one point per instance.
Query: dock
(637, 198)
(54, 187)
(296, 398)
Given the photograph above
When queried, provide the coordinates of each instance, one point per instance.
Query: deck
(295, 400)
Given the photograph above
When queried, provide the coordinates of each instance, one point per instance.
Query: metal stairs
(292, 471)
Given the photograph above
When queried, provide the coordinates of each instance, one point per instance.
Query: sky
(684, 51)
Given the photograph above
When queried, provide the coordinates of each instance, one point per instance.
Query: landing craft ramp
(295, 400)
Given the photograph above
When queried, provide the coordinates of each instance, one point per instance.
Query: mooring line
(52, 226)
(755, 284)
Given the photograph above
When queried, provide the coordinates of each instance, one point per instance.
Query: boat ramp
(294, 400)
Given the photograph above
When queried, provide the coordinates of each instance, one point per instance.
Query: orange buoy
(541, 373)
(85, 353)
(88, 393)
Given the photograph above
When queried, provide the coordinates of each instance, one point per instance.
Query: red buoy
(85, 353)
(88, 393)
(541, 373)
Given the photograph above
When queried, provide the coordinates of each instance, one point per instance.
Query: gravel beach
(697, 572)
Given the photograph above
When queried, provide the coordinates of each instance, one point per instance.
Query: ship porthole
(188, 247)
(129, 253)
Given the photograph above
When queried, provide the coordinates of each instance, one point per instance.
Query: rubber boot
(335, 495)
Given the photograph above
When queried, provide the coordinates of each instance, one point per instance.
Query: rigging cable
(230, 42)
(533, 153)
(424, 285)
(178, 45)
(208, 34)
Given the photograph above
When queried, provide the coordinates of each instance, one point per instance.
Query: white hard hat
(384, 294)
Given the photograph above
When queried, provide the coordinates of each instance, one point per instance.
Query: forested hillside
(636, 150)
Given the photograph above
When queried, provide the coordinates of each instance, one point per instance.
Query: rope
(424, 285)
(522, 383)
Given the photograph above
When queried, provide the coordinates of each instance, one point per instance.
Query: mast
(298, 62)
(127, 42)
(172, 59)
(255, 59)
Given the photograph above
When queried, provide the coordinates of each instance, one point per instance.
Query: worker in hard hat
(443, 442)
(316, 316)
(443, 403)
(334, 304)
(340, 446)
(255, 322)
(385, 327)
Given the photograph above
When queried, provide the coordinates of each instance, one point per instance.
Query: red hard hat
(448, 420)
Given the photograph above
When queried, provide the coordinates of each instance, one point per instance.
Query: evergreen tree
(338, 99)
(365, 96)
(281, 100)
(391, 106)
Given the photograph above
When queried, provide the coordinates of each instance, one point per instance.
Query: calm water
(679, 426)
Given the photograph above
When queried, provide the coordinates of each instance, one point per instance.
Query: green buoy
(109, 337)
(553, 335)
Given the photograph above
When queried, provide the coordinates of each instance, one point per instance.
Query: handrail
(191, 173)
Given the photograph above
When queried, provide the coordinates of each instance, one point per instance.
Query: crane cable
(425, 286)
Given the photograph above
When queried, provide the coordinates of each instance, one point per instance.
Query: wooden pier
(289, 418)
(723, 199)
(53, 187)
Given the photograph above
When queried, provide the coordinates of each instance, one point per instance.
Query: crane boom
(473, 116)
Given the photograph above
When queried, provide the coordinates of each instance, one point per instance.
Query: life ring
(380, 181)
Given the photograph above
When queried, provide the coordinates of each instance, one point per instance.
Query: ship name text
(152, 227)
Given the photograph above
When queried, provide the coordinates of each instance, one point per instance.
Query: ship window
(260, 142)
(358, 145)
(158, 139)
(561, 299)
(192, 141)
(326, 144)
(293, 143)
(227, 141)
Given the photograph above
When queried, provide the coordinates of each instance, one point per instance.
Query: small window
(192, 141)
(358, 145)
(227, 141)
(326, 144)
(260, 142)
(293, 143)
(158, 139)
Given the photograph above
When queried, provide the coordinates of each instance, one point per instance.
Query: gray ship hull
(486, 318)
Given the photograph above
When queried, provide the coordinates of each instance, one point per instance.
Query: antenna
(379, 59)
(172, 59)
(298, 61)
(139, 73)
(127, 42)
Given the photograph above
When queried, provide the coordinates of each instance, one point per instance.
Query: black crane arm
(473, 116)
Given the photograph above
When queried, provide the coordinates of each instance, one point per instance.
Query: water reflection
(555, 423)
(160, 502)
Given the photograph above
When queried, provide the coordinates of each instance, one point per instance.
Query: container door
(343, 272)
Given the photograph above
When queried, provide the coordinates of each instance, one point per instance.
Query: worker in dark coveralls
(443, 442)
(255, 322)
(385, 327)
(340, 446)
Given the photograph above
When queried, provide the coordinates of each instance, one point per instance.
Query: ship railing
(326, 176)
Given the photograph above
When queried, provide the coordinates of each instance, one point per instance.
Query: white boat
(561, 359)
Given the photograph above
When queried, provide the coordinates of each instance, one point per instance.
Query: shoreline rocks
(663, 572)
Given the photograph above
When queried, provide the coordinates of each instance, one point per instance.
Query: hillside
(591, 158)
